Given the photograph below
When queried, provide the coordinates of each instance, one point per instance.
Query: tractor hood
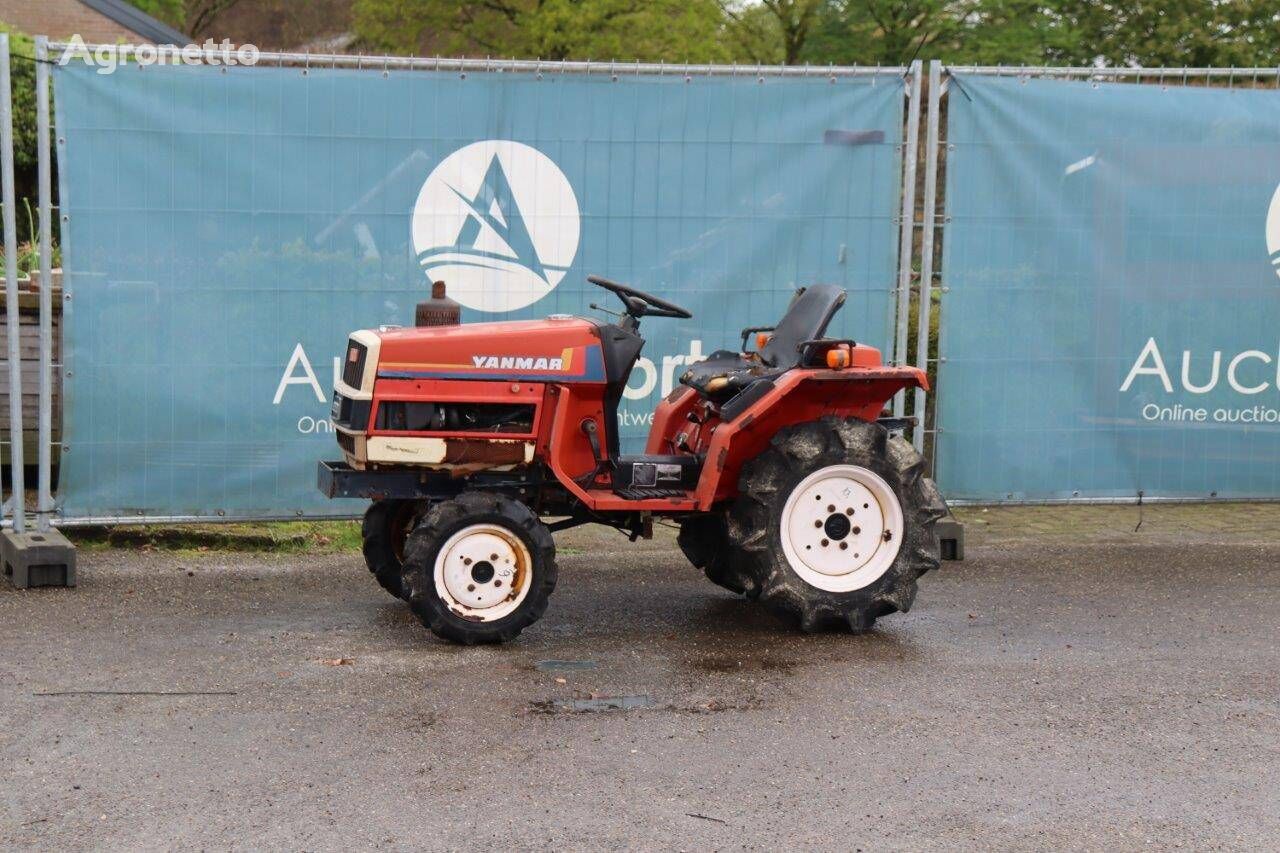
(561, 348)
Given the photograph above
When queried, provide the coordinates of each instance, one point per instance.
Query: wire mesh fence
(726, 186)
(1088, 218)
(911, 258)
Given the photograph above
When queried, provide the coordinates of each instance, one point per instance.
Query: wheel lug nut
(817, 524)
(844, 545)
(497, 583)
(471, 587)
(825, 543)
(857, 530)
(849, 511)
(831, 507)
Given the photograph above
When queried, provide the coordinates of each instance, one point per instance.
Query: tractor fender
(795, 397)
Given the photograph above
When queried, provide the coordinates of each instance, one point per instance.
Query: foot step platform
(640, 493)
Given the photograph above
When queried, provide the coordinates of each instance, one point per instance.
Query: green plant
(29, 250)
(22, 79)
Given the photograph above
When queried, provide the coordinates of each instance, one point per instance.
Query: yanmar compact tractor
(785, 482)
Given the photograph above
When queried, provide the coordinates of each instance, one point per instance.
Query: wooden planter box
(29, 341)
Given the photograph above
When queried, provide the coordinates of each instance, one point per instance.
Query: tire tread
(434, 529)
(764, 485)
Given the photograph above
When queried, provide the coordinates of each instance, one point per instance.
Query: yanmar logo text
(520, 362)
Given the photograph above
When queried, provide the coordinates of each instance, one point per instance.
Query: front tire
(384, 531)
(835, 520)
(479, 569)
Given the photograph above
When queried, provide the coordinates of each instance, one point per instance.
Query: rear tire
(479, 568)
(704, 539)
(384, 532)
(835, 521)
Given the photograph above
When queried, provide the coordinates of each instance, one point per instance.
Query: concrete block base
(35, 558)
(951, 537)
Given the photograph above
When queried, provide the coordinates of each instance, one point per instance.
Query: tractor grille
(347, 443)
(349, 413)
(353, 364)
(420, 416)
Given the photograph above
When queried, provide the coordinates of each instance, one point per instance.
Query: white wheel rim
(483, 572)
(841, 528)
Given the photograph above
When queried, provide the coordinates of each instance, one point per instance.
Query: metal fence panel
(224, 229)
(13, 359)
(1110, 324)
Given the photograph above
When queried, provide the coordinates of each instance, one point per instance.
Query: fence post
(926, 247)
(44, 499)
(43, 557)
(11, 291)
(907, 239)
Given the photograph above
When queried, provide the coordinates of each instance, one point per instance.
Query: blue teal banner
(227, 228)
(1112, 324)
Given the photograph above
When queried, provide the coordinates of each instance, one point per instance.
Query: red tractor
(786, 483)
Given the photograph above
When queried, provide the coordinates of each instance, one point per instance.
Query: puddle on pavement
(609, 703)
(564, 665)
(595, 703)
(634, 702)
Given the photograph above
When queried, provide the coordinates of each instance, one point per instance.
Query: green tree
(772, 30)
(754, 33)
(22, 86)
(1174, 32)
(893, 32)
(1058, 32)
(887, 32)
(193, 17)
(169, 11)
(625, 30)
(1010, 32)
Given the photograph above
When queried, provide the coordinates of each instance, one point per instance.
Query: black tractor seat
(723, 374)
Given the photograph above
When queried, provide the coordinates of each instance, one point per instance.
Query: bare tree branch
(199, 14)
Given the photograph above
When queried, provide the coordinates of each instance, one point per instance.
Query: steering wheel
(638, 303)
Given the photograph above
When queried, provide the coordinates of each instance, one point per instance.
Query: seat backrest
(806, 318)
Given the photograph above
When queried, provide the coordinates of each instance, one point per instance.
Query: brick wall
(60, 19)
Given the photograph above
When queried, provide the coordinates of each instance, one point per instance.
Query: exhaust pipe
(439, 310)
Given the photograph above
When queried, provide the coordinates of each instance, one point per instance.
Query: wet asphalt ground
(1076, 689)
